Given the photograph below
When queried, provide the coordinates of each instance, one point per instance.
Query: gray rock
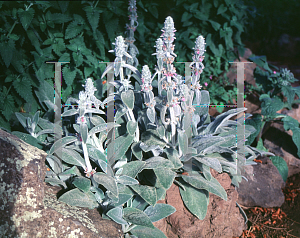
(264, 185)
(29, 207)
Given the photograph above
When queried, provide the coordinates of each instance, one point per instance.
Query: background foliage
(82, 32)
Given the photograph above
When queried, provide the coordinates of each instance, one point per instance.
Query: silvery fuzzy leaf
(203, 142)
(152, 138)
(84, 132)
(196, 200)
(98, 193)
(225, 160)
(55, 182)
(105, 167)
(96, 120)
(173, 156)
(133, 69)
(68, 173)
(120, 163)
(103, 127)
(120, 113)
(70, 112)
(205, 169)
(55, 163)
(72, 157)
(128, 98)
(151, 114)
(212, 162)
(164, 178)
(123, 198)
(132, 168)
(83, 183)
(220, 119)
(117, 66)
(107, 181)
(137, 151)
(108, 68)
(161, 131)
(119, 146)
(218, 149)
(159, 211)
(95, 153)
(183, 142)
(131, 127)
(116, 215)
(75, 197)
(148, 193)
(158, 162)
(202, 109)
(126, 180)
(212, 186)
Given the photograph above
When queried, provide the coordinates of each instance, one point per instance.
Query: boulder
(29, 207)
(223, 218)
(263, 188)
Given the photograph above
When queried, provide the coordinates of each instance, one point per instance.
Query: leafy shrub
(159, 139)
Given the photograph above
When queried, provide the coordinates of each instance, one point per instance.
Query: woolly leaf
(82, 183)
(137, 151)
(146, 192)
(75, 197)
(164, 178)
(133, 168)
(72, 157)
(119, 147)
(159, 211)
(212, 186)
(107, 181)
(116, 215)
(146, 232)
(131, 127)
(128, 98)
(137, 217)
(126, 180)
(196, 200)
(62, 142)
(28, 139)
(26, 17)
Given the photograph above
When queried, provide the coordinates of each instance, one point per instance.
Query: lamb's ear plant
(159, 140)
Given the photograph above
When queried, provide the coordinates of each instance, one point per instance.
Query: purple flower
(205, 84)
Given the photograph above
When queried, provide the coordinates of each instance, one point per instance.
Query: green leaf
(75, 197)
(93, 16)
(107, 181)
(133, 168)
(159, 211)
(221, 9)
(131, 127)
(103, 127)
(73, 30)
(151, 114)
(186, 16)
(148, 193)
(281, 165)
(196, 200)
(137, 151)
(84, 132)
(146, 232)
(116, 215)
(82, 183)
(55, 182)
(23, 88)
(62, 142)
(55, 163)
(119, 147)
(173, 156)
(137, 217)
(128, 98)
(7, 50)
(183, 142)
(164, 178)
(28, 139)
(126, 180)
(95, 154)
(256, 122)
(215, 25)
(154, 11)
(72, 157)
(270, 106)
(158, 162)
(26, 17)
(212, 186)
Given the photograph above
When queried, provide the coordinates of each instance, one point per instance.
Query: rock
(280, 142)
(264, 185)
(29, 207)
(223, 218)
